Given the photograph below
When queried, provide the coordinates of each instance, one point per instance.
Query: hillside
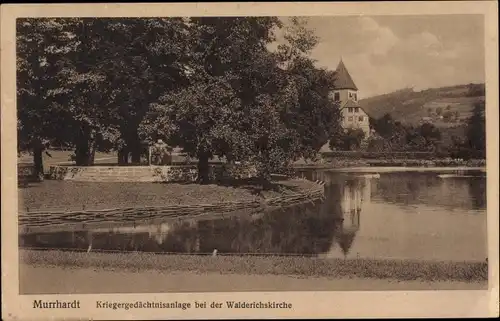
(445, 107)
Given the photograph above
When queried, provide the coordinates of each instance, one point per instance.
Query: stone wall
(26, 174)
(170, 173)
(24, 170)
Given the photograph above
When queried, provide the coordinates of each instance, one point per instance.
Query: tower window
(361, 118)
(350, 109)
(355, 96)
(336, 96)
(357, 110)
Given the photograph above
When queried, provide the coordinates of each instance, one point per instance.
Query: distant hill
(430, 105)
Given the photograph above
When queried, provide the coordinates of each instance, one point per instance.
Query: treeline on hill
(394, 136)
(408, 105)
(211, 86)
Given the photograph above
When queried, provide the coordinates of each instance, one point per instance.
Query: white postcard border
(305, 304)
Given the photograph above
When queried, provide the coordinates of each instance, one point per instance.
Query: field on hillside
(414, 107)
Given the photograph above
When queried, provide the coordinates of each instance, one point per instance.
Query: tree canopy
(210, 85)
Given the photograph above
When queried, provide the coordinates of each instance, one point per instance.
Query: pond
(400, 214)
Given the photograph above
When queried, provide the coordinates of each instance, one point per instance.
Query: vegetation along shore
(403, 270)
(328, 162)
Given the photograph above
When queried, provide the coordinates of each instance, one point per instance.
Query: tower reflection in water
(309, 229)
(355, 194)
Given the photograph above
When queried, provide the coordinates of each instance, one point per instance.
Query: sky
(387, 53)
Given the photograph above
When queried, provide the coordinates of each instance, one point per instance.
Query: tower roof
(345, 240)
(350, 103)
(343, 79)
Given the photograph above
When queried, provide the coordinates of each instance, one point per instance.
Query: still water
(428, 215)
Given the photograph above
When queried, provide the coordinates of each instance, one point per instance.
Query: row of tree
(212, 86)
(474, 143)
(393, 135)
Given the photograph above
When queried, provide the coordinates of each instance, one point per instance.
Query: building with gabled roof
(346, 95)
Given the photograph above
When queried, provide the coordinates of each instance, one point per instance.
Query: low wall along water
(168, 173)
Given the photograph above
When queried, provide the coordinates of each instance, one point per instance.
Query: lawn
(61, 157)
(73, 195)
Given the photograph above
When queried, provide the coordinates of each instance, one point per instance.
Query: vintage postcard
(249, 160)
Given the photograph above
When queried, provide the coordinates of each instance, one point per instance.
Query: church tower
(346, 95)
(345, 88)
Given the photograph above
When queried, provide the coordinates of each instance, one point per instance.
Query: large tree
(33, 81)
(89, 82)
(43, 118)
(60, 88)
(349, 140)
(145, 59)
(244, 101)
(422, 138)
(202, 116)
(286, 103)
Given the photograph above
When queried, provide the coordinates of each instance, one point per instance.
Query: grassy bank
(60, 280)
(69, 195)
(402, 270)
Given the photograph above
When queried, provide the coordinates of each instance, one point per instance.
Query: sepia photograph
(246, 153)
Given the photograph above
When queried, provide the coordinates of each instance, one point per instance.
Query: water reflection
(454, 192)
(355, 196)
(328, 228)
(477, 192)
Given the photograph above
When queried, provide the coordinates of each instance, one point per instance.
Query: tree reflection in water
(477, 191)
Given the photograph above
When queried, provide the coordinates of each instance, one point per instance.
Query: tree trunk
(136, 154)
(122, 156)
(135, 148)
(91, 154)
(264, 174)
(265, 179)
(82, 152)
(203, 168)
(38, 160)
(92, 148)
